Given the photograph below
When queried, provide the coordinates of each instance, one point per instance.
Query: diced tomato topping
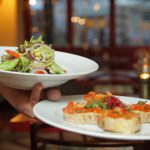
(98, 97)
(141, 107)
(39, 72)
(97, 110)
(69, 108)
(89, 95)
(70, 104)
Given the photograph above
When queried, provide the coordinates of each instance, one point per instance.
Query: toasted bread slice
(145, 116)
(78, 114)
(143, 109)
(82, 118)
(106, 111)
(120, 125)
(120, 121)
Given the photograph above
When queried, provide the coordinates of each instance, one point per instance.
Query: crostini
(79, 114)
(143, 109)
(120, 120)
(107, 112)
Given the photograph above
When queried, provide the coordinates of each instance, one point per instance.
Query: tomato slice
(39, 72)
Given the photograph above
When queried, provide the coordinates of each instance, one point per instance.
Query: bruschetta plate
(51, 113)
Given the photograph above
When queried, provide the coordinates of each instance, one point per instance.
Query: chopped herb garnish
(79, 111)
(141, 102)
(96, 104)
(93, 104)
(104, 106)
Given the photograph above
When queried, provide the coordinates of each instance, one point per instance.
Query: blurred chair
(123, 83)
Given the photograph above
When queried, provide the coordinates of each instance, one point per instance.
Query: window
(60, 23)
(132, 22)
(48, 18)
(98, 29)
(90, 19)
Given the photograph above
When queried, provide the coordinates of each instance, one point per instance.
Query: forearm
(4, 91)
(23, 100)
(9, 94)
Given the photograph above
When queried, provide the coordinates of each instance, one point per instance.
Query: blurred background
(110, 30)
(114, 33)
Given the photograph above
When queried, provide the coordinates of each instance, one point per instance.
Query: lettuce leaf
(32, 41)
(9, 64)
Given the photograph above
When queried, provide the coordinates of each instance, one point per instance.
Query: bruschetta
(143, 109)
(107, 112)
(79, 114)
(120, 120)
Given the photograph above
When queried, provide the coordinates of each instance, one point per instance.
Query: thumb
(36, 93)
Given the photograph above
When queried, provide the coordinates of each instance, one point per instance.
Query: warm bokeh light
(144, 76)
(82, 21)
(145, 67)
(75, 19)
(32, 2)
(97, 7)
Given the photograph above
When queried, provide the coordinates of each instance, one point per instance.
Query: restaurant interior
(113, 33)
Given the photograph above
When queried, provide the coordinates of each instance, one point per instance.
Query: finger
(53, 94)
(35, 94)
(28, 111)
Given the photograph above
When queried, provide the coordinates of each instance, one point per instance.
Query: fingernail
(34, 101)
(39, 85)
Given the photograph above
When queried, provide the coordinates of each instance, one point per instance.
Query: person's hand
(23, 100)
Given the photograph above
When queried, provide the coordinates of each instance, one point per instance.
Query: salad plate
(51, 113)
(75, 67)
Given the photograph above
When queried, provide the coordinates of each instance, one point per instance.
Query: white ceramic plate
(75, 65)
(51, 113)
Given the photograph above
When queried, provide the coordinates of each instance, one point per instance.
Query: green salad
(32, 56)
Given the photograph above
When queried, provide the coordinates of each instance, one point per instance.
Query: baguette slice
(145, 116)
(82, 118)
(78, 114)
(143, 109)
(120, 121)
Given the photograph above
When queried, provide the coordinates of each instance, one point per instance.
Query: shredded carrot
(12, 53)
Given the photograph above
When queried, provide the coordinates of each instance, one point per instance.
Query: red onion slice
(39, 45)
